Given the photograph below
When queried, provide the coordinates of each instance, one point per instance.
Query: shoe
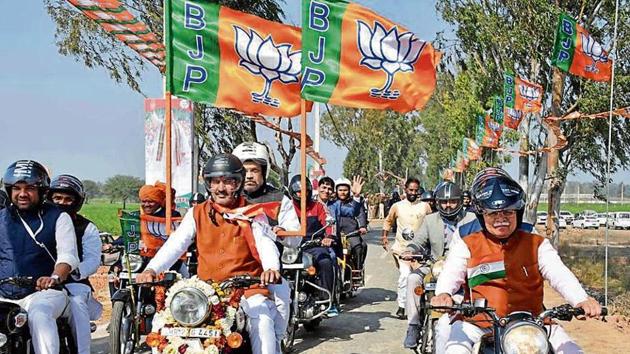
(411, 339)
(401, 314)
(333, 312)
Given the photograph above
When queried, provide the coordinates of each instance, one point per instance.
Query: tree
(92, 189)
(365, 133)
(122, 188)
(217, 130)
(493, 37)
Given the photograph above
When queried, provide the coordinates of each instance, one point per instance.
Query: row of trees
(117, 188)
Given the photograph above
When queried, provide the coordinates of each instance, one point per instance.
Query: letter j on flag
(354, 57)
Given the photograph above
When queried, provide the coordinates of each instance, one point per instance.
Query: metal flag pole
(303, 176)
(167, 117)
(613, 53)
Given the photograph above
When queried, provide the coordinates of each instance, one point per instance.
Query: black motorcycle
(310, 301)
(15, 336)
(519, 332)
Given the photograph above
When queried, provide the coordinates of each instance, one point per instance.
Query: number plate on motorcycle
(429, 287)
(204, 333)
(174, 331)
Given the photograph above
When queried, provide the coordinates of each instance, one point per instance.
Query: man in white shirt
(36, 240)
(498, 258)
(67, 193)
(408, 214)
(231, 240)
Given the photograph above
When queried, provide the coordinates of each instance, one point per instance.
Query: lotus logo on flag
(262, 57)
(388, 51)
(514, 114)
(494, 126)
(594, 50)
(529, 93)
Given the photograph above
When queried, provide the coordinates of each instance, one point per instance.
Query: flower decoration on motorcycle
(219, 324)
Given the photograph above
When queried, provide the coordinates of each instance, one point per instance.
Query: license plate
(204, 333)
(174, 331)
(429, 287)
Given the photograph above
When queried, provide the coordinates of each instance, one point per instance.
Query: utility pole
(381, 182)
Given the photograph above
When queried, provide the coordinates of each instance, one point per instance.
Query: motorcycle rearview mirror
(407, 234)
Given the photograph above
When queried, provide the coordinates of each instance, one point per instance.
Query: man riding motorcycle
(429, 198)
(407, 214)
(467, 205)
(67, 193)
(498, 258)
(232, 238)
(36, 240)
(435, 235)
(316, 214)
(326, 190)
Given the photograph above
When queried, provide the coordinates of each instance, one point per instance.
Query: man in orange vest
(500, 259)
(232, 238)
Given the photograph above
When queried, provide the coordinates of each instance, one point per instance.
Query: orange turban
(156, 193)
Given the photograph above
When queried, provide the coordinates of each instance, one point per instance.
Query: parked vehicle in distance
(601, 218)
(588, 212)
(567, 216)
(541, 217)
(620, 221)
(562, 223)
(585, 222)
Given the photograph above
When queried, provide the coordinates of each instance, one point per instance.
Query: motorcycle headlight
(3, 340)
(289, 255)
(437, 267)
(189, 306)
(135, 263)
(525, 338)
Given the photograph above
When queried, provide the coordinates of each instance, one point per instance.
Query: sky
(77, 120)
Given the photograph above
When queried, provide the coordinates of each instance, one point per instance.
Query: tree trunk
(536, 187)
(523, 160)
(124, 203)
(555, 184)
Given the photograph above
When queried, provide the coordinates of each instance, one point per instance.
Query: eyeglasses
(497, 213)
(228, 182)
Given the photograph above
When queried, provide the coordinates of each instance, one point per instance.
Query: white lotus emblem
(594, 50)
(514, 114)
(529, 93)
(494, 126)
(388, 51)
(264, 58)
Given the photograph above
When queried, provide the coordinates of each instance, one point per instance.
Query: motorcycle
(197, 315)
(351, 279)
(310, 302)
(15, 336)
(519, 332)
(427, 318)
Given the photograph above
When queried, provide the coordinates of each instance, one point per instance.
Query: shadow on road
(351, 321)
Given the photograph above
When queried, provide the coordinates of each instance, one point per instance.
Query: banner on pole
(182, 146)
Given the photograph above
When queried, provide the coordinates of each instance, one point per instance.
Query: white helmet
(342, 181)
(256, 152)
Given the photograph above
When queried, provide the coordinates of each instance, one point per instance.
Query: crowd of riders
(238, 227)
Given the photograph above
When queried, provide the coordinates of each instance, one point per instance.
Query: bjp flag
(578, 53)
(230, 59)
(354, 57)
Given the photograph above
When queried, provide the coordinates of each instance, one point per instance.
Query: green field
(105, 214)
(578, 208)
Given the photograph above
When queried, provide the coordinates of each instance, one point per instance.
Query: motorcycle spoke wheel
(123, 334)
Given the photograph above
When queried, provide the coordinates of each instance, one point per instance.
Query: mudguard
(121, 295)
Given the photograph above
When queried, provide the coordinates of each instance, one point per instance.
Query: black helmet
(493, 189)
(68, 184)
(466, 194)
(224, 165)
(448, 190)
(27, 171)
(196, 198)
(295, 187)
(4, 200)
(427, 196)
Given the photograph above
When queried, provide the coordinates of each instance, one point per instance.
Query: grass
(105, 215)
(578, 208)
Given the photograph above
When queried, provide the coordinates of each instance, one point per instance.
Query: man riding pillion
(498, 258)
(434, 236)
(232, 238)
(256, 162)
(350, 216)
(408, 214)
(316, 214)
(36, 240)
(67, 193)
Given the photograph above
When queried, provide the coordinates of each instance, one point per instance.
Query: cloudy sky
(77, 120)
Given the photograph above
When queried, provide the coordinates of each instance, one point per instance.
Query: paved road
(366, 324)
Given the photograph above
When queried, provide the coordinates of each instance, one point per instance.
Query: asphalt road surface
(366, 323)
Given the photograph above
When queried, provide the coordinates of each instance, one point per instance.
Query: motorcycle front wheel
(286, 345)
(123, 335)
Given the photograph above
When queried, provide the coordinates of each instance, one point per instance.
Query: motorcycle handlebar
(26, 282)
(239, 281)
(566, 312)
(467, 310)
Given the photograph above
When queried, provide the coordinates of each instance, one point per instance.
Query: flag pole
(169, 191)
(303, 167)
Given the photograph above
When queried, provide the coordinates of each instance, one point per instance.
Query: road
(366, 324)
